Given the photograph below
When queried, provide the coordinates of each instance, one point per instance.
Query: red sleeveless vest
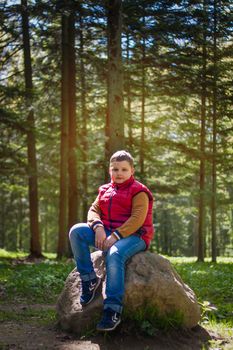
(115, 201)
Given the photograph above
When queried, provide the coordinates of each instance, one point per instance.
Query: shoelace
(86, 287)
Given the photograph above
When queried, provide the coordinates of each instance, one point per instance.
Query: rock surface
(150, 280)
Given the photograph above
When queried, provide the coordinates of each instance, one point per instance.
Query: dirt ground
(31, 335)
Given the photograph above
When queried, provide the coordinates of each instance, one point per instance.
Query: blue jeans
(81, 238)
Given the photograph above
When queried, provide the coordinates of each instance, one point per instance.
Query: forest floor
(28, 293)
(27, 330)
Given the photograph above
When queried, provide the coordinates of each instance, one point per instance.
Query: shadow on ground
(27, 336)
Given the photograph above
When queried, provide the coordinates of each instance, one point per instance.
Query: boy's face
(120, 171)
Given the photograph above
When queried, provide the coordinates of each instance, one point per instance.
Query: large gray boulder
(150, 280)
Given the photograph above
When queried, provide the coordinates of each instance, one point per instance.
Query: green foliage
(35, 283)
(162, 61)
(213, 285)
(4, 254)
(147, 319)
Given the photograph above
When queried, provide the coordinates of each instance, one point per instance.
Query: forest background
(79, 80)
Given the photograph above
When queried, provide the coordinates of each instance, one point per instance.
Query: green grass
(32, 283)
(4, 254)
(41, 283)
(213, 285)
(41, 317)
(147, 320)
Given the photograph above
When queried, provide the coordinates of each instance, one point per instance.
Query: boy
(119, 222)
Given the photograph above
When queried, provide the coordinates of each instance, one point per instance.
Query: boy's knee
(72, 232)
(114, 255)
(75, 230)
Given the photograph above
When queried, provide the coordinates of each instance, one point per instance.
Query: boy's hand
(109, 242)
(100, 237)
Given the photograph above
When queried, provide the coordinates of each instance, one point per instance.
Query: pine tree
(115, 112)
(63, 200)
(35, 246)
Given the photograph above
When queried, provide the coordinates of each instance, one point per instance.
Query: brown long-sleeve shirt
(140, 204)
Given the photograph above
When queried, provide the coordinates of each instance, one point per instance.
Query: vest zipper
(109, 209)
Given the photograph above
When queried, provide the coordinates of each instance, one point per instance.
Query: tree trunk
(20, 230)
(214, 150)
(45, 230)
(128, 92)
(202, 149)
(115, 111)
(62, 241)
(2, 221)
(35, 246)
(84, 143)
(142, 141)
(72, 166)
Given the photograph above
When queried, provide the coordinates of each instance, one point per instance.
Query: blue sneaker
(109, 321)
(89, 290)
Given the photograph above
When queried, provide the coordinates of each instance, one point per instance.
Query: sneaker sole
(94, 293)
(108, 329)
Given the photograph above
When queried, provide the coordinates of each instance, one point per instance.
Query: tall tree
(35, 246)
(201, 207)
(115, 110)
(172, 108)
(68, 185)
(72, 155)
(143, 89)
(128, 91)
(84, 116)
(214, 141)
(63, 199)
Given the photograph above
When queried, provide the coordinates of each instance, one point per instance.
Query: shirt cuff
(117, 234)
(97, 222)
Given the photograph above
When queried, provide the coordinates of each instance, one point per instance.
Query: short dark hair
(120, 156)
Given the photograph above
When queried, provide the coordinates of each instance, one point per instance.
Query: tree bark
(20, 227)
(72, 159)
(115, 111)
(63, 199)
(142, 141)
(202, 148)
(214, 142)
(35, 245)
(128, 92)
(84, 143)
